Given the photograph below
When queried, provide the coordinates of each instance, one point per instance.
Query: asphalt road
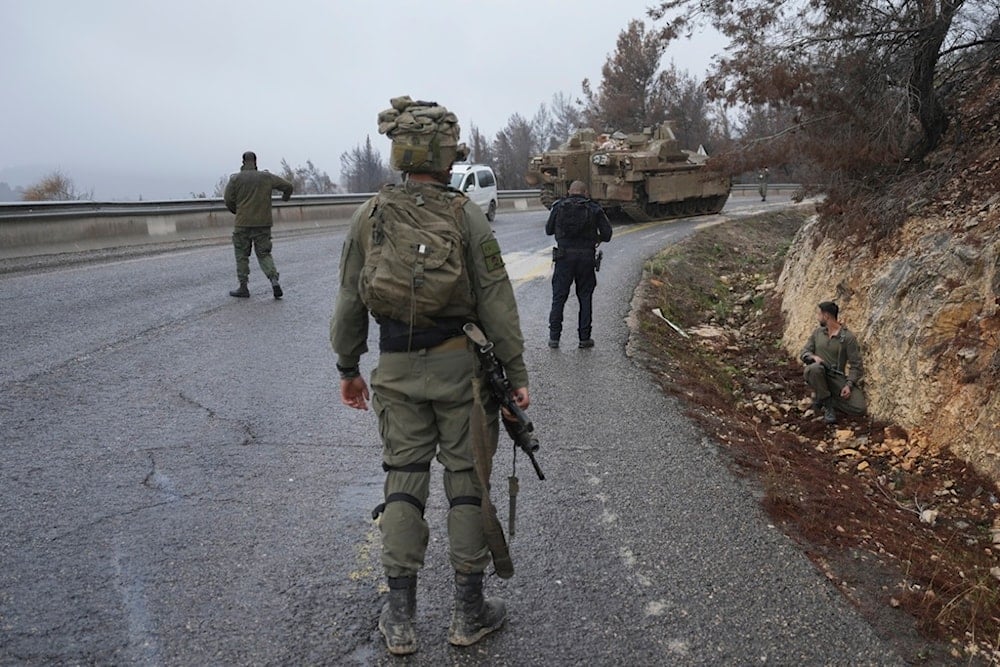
(180, 485)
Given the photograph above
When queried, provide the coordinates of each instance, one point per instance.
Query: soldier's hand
(521, 400)
(286, 196)
(354, 393)
(846, 391)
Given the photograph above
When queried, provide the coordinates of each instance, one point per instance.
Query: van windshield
(456, 179)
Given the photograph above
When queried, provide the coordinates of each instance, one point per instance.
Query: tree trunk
(924, 99)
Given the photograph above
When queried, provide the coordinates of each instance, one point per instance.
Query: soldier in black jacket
(579, 225)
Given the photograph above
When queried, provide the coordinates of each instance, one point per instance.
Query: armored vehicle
(643, 176)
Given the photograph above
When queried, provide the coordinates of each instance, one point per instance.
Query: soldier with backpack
(579, 225)
(423, 261)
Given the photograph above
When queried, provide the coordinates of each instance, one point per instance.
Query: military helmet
(424, 135)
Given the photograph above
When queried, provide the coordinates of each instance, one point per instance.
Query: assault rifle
(520, 429)
(830, 370)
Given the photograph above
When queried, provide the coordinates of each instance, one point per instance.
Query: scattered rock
(929, 517)
(707, 331)
(967, 354)
(843, 435)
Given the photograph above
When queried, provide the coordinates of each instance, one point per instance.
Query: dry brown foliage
(55, 186)
(862, 90)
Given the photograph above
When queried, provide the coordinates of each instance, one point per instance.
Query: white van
(478, 183)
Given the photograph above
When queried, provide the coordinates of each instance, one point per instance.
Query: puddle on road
(356, 501)
(353, 506)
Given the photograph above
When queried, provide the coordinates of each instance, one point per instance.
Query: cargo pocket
(382, 413)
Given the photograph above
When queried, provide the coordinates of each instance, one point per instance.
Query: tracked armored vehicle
(641, 176)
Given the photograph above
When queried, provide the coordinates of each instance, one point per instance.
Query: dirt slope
(901, 523)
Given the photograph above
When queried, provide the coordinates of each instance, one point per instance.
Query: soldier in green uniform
(248, 195)
(834, 368)
(422, 388)
(763, 176)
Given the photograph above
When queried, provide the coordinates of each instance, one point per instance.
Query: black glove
(286, 196)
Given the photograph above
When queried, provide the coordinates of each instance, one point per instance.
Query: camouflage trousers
(246, 239)
(423, 400)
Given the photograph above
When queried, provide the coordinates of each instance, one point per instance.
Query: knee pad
(411, 488)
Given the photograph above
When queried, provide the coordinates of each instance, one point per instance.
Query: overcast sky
(159, 99)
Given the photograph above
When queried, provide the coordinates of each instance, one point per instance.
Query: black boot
(474, 616)
(241, 291)
(275, 287)
(829, 413)
(396, 620)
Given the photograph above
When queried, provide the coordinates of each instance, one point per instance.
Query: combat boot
(275, 287)
(474, 616)
(242, 292)
(396, 620)
(829, 414)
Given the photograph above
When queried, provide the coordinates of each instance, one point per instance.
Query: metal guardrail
(752, 187)
(35, 227)
(50, 210)
(99, 209)
(53, 210)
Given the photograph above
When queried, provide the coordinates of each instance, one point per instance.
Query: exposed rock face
(927, 312)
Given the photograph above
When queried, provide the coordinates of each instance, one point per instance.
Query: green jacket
(248, 195)
(496, 309)
(840, 352)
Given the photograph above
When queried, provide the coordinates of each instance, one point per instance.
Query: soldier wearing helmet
(423, 390)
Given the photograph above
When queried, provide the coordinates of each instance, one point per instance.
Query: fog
(158, 100)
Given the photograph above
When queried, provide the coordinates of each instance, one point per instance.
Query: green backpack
(414, 266)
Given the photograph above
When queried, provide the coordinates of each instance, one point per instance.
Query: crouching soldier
(834, 368)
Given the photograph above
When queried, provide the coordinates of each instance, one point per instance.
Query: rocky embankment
(926, 304)
(901, 524)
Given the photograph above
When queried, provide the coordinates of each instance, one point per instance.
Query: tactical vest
(575, 223)
(414, 266)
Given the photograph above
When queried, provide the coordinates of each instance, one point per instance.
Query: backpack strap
(458, 203)
(378, 228)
